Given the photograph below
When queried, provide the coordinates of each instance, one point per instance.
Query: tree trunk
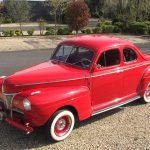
(20, 24)
(40, 26)
(137, 11)
(0, 30)
(55, 22)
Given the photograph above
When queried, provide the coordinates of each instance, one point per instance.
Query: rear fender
(145, 81)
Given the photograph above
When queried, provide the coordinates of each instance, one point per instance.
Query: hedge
(64, 31)
(30, 32)
(107, 28)
(138, 28)
(8, 33)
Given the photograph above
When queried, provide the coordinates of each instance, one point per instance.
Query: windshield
(74, 55)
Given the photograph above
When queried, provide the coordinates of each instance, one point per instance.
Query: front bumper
(18, 125)
(14, 119)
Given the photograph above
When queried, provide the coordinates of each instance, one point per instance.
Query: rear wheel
(146, 97)
(60, 125)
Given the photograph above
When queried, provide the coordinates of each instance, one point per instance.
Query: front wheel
(60, 125)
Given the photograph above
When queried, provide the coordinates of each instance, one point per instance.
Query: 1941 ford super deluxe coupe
(85, 76)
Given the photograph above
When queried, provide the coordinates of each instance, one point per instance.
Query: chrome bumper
(13, 120)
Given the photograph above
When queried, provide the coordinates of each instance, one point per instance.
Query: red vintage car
(85, 76)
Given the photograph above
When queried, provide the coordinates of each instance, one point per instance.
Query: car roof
(96, 42)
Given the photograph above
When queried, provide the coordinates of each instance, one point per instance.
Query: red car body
(52, 85)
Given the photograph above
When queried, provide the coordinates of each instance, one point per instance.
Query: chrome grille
(8, 100)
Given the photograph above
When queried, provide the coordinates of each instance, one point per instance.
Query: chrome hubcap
(61, 124)
(147, 92)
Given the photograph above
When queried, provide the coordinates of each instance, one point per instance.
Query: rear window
(129, 55)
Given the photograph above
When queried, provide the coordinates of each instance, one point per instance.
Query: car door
(107, 79)
(133, 70)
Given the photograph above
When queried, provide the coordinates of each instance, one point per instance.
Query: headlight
(27, 104)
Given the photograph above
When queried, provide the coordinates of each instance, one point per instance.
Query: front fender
(48, 101)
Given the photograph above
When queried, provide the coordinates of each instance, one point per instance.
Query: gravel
(124, 128)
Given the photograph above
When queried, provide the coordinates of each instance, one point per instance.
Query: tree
(138, 10)
(38, 10)
(54, 7)
(1, 15)
(1, 21)
(42, 24)
(18, 11)
(77, 15)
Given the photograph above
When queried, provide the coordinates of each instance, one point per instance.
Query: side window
(129, 55)
(109, 58)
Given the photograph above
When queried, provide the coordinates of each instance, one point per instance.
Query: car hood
(45, 73)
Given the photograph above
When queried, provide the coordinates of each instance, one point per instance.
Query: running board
(115, 106)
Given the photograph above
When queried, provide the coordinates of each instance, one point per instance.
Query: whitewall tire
(61, 125)
(146, 97)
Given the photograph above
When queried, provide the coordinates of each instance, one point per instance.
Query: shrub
(97, 30)
(5, 33)
(119, 18)
(88, 31)
(119, 24)
(7, 20)
(107, 28)
(119, 27)
(147, 23)
(18, 32)
(123, 22)
(8, 33)
(30, 32)
(12, 32)
(100, 24)
(148, 31)
(50, 32)
(138, 28)
(63, 31)
(49, 28)
(116, 29)
(83, 31)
